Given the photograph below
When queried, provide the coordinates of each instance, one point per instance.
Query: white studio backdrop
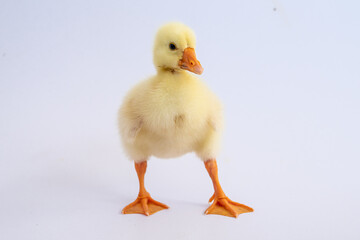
(287, 73)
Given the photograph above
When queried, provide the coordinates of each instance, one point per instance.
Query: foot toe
(158, 203)
(212, 198)
(144, 204)
(224, 202)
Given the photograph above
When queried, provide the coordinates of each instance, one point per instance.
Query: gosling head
(174, 49)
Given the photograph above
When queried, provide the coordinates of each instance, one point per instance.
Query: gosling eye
(172, 46)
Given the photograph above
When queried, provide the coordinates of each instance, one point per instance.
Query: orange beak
(189, 61)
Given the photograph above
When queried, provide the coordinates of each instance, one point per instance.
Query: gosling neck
(168, 70)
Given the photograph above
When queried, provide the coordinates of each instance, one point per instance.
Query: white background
(288, 73)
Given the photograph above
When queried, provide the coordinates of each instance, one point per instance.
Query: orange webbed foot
(226, 207)
(144, 205)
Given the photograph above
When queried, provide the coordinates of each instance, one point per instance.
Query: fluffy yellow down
(173, 112)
